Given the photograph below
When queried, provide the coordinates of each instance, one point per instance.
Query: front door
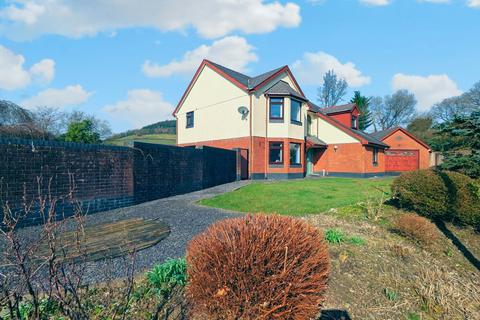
(310, 161)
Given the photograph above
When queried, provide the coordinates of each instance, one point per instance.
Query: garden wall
(101, 177)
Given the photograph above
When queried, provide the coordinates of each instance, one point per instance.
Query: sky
(129, 62)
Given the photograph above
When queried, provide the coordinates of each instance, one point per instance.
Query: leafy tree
(99, 126)
(393, 110)
(363, 104)
(422, 127)
(332, 91)
(82, 132)
(459, 140)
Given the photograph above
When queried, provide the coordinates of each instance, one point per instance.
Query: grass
(163, 138)
(300, 197)
(336, 236)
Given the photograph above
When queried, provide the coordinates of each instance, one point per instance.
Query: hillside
(160, 138)
(163, 132)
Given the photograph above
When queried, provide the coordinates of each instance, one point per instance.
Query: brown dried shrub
(258, 267)
(417, 228)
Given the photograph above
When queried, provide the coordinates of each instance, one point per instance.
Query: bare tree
(332, 91)
(49, 119)
(462, 105)
(393, 110)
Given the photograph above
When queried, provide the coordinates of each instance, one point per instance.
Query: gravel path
(181, 213)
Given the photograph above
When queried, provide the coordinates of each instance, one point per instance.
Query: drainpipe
(250, 160)
(267, 104)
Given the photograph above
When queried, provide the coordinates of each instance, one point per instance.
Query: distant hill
(163, 132)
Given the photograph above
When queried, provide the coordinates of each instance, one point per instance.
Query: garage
(401, 160)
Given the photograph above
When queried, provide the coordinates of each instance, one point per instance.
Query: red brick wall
(258, 156)
(400, 140)
(349, 158)
(368, 158)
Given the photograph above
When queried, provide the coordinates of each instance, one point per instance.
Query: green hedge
(423, 191)
(439, 195)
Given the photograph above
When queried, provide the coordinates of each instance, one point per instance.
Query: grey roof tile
(342, 108)
(381, 134)
(316, 141)
(283, 88)
(249, 82)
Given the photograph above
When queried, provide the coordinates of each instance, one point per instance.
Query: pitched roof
(284, 89)
(371, 139)
(316, 142)
(313, 107)
(382, 135)
(338, 109)
(243, 79)
(248, 82)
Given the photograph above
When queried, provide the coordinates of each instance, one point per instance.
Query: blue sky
(129, 63)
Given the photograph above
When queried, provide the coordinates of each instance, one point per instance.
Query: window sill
(295, 122)
(279, 120)
(273, 165)
(296, 165)
(189, 127)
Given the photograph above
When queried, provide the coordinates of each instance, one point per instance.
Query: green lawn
(149, 138)
(300, 197)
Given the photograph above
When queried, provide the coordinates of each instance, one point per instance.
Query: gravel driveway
(181, 213)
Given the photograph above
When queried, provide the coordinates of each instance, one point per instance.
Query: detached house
(277, 131)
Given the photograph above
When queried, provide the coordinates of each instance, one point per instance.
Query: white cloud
(233, 52)
(68, 96)
(210, 18)
(44, 70)
(27, 14)
(311, 68)
(376, 2)
(142, 107)
(473, 3)
(428, 90)
(13, 74)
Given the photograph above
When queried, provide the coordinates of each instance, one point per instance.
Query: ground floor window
(375, 156)
(295, 153)
(276, 153)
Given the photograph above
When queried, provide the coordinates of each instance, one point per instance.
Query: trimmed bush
(423, 191)
(464, 200)
(257, 267)
(417, 228)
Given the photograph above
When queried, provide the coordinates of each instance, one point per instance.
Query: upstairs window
(295, 111)
(295, 154)
(354, 122)
(375, 157)
(276, 108)
(190, 119)
(276, 153)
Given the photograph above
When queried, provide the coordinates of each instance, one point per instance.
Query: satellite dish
(243, 111)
